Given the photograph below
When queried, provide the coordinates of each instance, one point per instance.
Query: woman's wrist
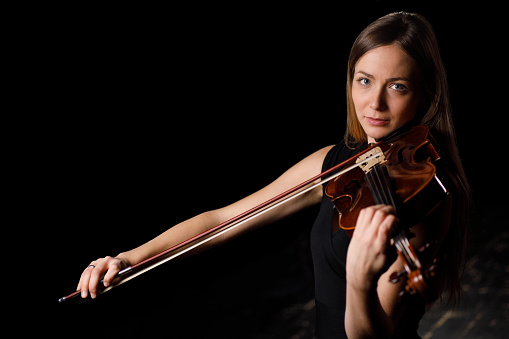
(126, 259)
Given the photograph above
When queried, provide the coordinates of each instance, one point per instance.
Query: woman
(395, 76)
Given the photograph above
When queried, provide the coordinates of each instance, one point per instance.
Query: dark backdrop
(147, 116)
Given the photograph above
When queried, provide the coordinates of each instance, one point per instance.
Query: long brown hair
(414, 34)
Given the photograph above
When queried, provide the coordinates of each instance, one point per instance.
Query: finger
(360, 220)
(385, 230)
(84, 281)
(110, 274)
(79, 283)
(364, 218)
(83, 275)
(81, 279)
(95, 277)
(381, 213)
(387, 209)
(378, 216)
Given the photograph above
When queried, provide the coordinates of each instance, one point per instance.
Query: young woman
(395, 76)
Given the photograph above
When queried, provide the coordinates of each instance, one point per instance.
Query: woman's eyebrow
(366, 74)
(387, 80)
(399, 78)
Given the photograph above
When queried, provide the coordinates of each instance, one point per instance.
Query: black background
(141, 117)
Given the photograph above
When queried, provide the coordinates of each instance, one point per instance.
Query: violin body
(409, 159)
(402, 173)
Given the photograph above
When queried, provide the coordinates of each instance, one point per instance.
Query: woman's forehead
(387, 62)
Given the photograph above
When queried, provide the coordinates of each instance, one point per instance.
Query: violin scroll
(420, 281)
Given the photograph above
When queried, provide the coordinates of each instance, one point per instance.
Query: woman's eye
(364, 81)
(398, 87)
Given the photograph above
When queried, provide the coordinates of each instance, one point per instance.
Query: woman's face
(386, 90)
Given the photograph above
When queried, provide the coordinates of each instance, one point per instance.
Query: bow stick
(143, 266)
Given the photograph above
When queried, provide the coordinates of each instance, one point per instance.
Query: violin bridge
(373, 157)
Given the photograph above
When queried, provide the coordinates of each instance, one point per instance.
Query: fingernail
(106, 284)
(92, 294)
(83, 294)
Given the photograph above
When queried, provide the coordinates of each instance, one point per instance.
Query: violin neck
(380, 185)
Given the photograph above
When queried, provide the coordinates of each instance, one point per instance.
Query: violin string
(378, 179)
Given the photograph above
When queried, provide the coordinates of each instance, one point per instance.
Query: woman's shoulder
(340, 152)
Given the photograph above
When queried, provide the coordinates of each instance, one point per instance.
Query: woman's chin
(377, 132)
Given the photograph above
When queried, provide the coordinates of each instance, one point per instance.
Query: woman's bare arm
(305, 169)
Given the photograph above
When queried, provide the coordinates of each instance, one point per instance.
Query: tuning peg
(431, 271)
(406, 293)
(427, 246)
(395, 276)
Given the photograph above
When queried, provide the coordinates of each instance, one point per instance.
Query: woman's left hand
(369, 249)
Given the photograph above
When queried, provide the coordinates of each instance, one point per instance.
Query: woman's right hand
(91, 276)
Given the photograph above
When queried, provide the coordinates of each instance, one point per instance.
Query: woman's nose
(378, 102)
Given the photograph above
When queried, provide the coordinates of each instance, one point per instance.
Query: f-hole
(400, 153)
(353, 184)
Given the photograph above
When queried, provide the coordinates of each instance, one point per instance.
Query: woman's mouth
(377, 122)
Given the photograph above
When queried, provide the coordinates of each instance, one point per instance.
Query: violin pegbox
(421, 281)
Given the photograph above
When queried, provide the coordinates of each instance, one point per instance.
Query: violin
(397, 170)
(402, 174)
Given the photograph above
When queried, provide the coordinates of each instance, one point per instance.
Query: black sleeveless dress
(329, 261)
